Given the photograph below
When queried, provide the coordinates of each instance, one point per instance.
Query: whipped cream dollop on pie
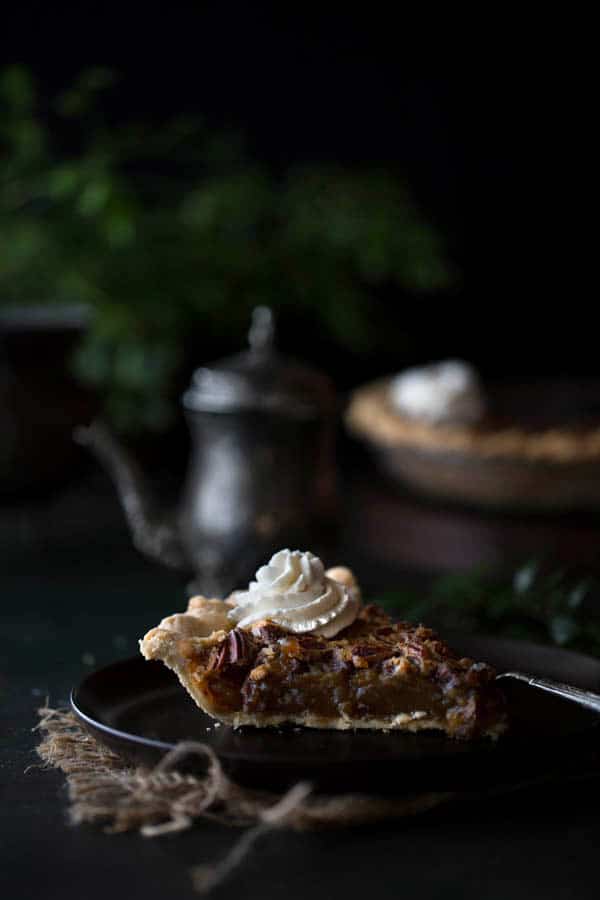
(440, 393)
(294, 591)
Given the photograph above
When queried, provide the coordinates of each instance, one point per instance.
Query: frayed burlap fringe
(105, 790)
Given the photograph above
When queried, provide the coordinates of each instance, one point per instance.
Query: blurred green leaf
(94, 197)
(79, 98)
(62, 180)
(563, 629)
(525, 577)
(17, 88)
(162, 230)
(535, 605)
(576, 596)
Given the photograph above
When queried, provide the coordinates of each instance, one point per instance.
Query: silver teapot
(261, 473)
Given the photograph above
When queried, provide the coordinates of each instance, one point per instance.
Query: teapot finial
(261, 334)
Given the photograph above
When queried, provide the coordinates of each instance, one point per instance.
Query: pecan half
(364, 654)
(237, 649)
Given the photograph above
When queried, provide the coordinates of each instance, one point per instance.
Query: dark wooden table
(75, 596)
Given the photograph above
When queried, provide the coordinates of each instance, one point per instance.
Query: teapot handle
(155, 535)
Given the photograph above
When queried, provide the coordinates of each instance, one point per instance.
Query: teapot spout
(153, 534)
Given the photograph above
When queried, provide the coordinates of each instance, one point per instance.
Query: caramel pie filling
(373, 670)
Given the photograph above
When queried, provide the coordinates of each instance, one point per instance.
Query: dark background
(477, 114)
(485, 120)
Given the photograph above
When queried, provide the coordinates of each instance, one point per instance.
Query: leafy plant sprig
(163, 231)
(549, 607)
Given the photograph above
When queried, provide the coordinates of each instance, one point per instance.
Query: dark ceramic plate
(139, 709)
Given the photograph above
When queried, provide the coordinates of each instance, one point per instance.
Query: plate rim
(97, 725)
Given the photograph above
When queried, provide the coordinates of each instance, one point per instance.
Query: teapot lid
(260, 379)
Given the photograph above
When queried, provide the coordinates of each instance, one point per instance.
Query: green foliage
(549, 608)
(162, 231)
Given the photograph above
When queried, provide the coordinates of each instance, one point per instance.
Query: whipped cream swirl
(294, 591)
(443, 392)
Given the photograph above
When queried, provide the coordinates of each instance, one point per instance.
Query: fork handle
(568, 691)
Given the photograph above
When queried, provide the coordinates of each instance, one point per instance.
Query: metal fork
(567, 691)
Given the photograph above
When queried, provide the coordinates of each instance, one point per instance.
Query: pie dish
(536, 447)
(373, 674)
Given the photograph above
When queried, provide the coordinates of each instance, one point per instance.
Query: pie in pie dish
(281, 668)
(528, 444)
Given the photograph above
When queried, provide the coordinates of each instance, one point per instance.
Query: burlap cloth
(104, 789)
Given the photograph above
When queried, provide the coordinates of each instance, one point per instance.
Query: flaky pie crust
(371, 415)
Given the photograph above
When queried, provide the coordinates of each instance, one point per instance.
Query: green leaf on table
(524, 578)
(577, 595)
(563, 629)
(546, 607)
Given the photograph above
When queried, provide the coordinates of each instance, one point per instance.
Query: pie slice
(375, 673)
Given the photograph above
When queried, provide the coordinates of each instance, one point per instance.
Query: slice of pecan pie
(375, 673)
